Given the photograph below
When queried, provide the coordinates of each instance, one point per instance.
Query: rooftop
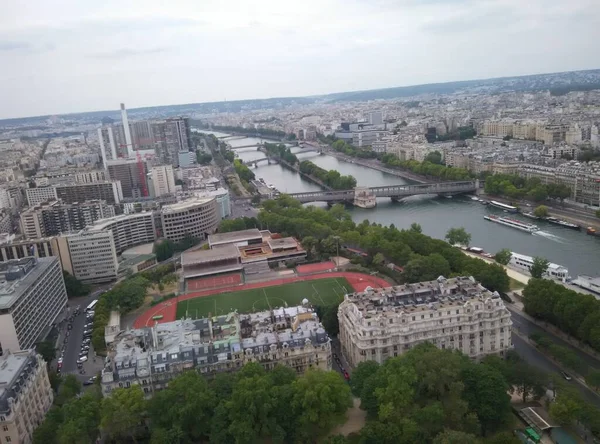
(185, 205)
(16, 276)
(102, 224)
(234, 236)
(434, 295)
(12, 366)
(203, 256)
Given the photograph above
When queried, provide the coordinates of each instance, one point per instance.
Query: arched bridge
(393, 191)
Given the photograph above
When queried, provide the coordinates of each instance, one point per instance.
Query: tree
(309, 243)
(455, 437)
(69, 388)
(503, 256)
(598, 213)
(122, 412)
(81, 420)
(320, 402)
(416, 227)
(255, 199)
(593, 379)
(539, 267)
(75, 288)
(458, 236)
(191, 404)
(164, 249)
(434, 157)
(47, 350)
(360, 374)
(541, 211)
(378, 259)
(203, 158)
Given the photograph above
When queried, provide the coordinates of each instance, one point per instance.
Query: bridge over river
(361, 195)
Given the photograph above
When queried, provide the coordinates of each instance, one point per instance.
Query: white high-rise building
(457, 314)
(32, 296)
(108, 147)
(375, 118)
(89, 256)
(163, 180)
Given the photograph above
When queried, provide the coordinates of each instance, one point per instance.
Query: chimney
(127, 131)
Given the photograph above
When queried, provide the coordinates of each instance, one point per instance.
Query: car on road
(566, 376)
(82, 359)
(346, 376)
(88, 382)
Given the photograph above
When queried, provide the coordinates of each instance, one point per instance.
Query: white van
(82, 359)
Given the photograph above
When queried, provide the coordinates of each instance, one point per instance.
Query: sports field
(318, 292)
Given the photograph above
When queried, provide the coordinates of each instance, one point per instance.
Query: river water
(575, 250)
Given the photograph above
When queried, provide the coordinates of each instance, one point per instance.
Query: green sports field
(318, 292)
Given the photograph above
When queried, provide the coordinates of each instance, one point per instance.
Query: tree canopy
(75, 288)
(541, 211)
(458, 236)
(539, 267)
(503, 256)
(516, 187)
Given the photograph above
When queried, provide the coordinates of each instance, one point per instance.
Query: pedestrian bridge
(394, 191)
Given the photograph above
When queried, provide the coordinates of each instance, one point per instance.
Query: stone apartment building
(152, 356)
(457, 314)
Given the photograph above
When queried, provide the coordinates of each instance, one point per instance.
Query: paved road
(526, 327)
(530, 354)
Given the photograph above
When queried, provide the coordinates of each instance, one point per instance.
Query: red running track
(320, 267)
(168, 309)
(214, 282)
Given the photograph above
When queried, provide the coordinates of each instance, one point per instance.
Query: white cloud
(68, 56)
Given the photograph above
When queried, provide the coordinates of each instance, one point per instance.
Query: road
(526, 327)
(530, 354)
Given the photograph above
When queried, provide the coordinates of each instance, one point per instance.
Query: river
(575, 250)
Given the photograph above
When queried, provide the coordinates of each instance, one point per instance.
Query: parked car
(566, 376)
(82, 359)
(346, 376)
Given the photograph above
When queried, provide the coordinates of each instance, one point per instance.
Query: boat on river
(562, 223)
(508, 208)
(513, 223)
(525, 263)
(588, 283)
(531, 216)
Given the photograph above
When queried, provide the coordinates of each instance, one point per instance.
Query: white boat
(502, 206)
(554, 271)
(588, 283)
(513, 223)
(476, 199)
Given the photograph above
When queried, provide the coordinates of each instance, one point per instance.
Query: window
(8, 439)
(5, 428)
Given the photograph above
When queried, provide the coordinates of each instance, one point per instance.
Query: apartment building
(163, 180)
(10, 248)
(171, 136)
(196, 217)
(151, 357)
(108, 146)
(128, 230)
(39, 195)
(25, 395)
(11, 197)
(457, 314)
(6, 226)
(109, 191)
(89, 256)
(53, 218)
(32, 295)
(67, 175)
(132, 176)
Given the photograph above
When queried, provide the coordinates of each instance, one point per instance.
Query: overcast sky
(59, 56)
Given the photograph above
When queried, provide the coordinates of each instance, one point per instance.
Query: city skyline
(89, 57)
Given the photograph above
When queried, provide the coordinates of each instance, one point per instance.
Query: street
(526, 327)
(530, 354)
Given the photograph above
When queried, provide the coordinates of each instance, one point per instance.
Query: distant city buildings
(456, 314)
(163, 180)
(25, 395)
(32, 296)
(132, 174)
(151, 357)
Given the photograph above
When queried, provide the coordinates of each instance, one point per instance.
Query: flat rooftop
(198, 257)
(101, 224)
(16, 276)
(234, 236)
(185, 204)
(284, 242)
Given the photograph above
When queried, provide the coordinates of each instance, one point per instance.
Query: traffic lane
(533, 356)
(526, 327)
(73, 346)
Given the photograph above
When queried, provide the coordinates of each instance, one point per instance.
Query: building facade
(457, 314)
(131, 174)
(128, 230)
(39, 195)
(163, 180)
(17, 249)
(196, 217)
(32, 296)
(170, 137)
(54, 218)
(151, 357)
(109, 191)
(25, 395)
(89, 256)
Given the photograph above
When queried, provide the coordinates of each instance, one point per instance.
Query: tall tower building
(171, 136)
(108, 147)
(128, 141)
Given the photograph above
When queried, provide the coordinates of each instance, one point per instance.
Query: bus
(157, 317)
(92, 305)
